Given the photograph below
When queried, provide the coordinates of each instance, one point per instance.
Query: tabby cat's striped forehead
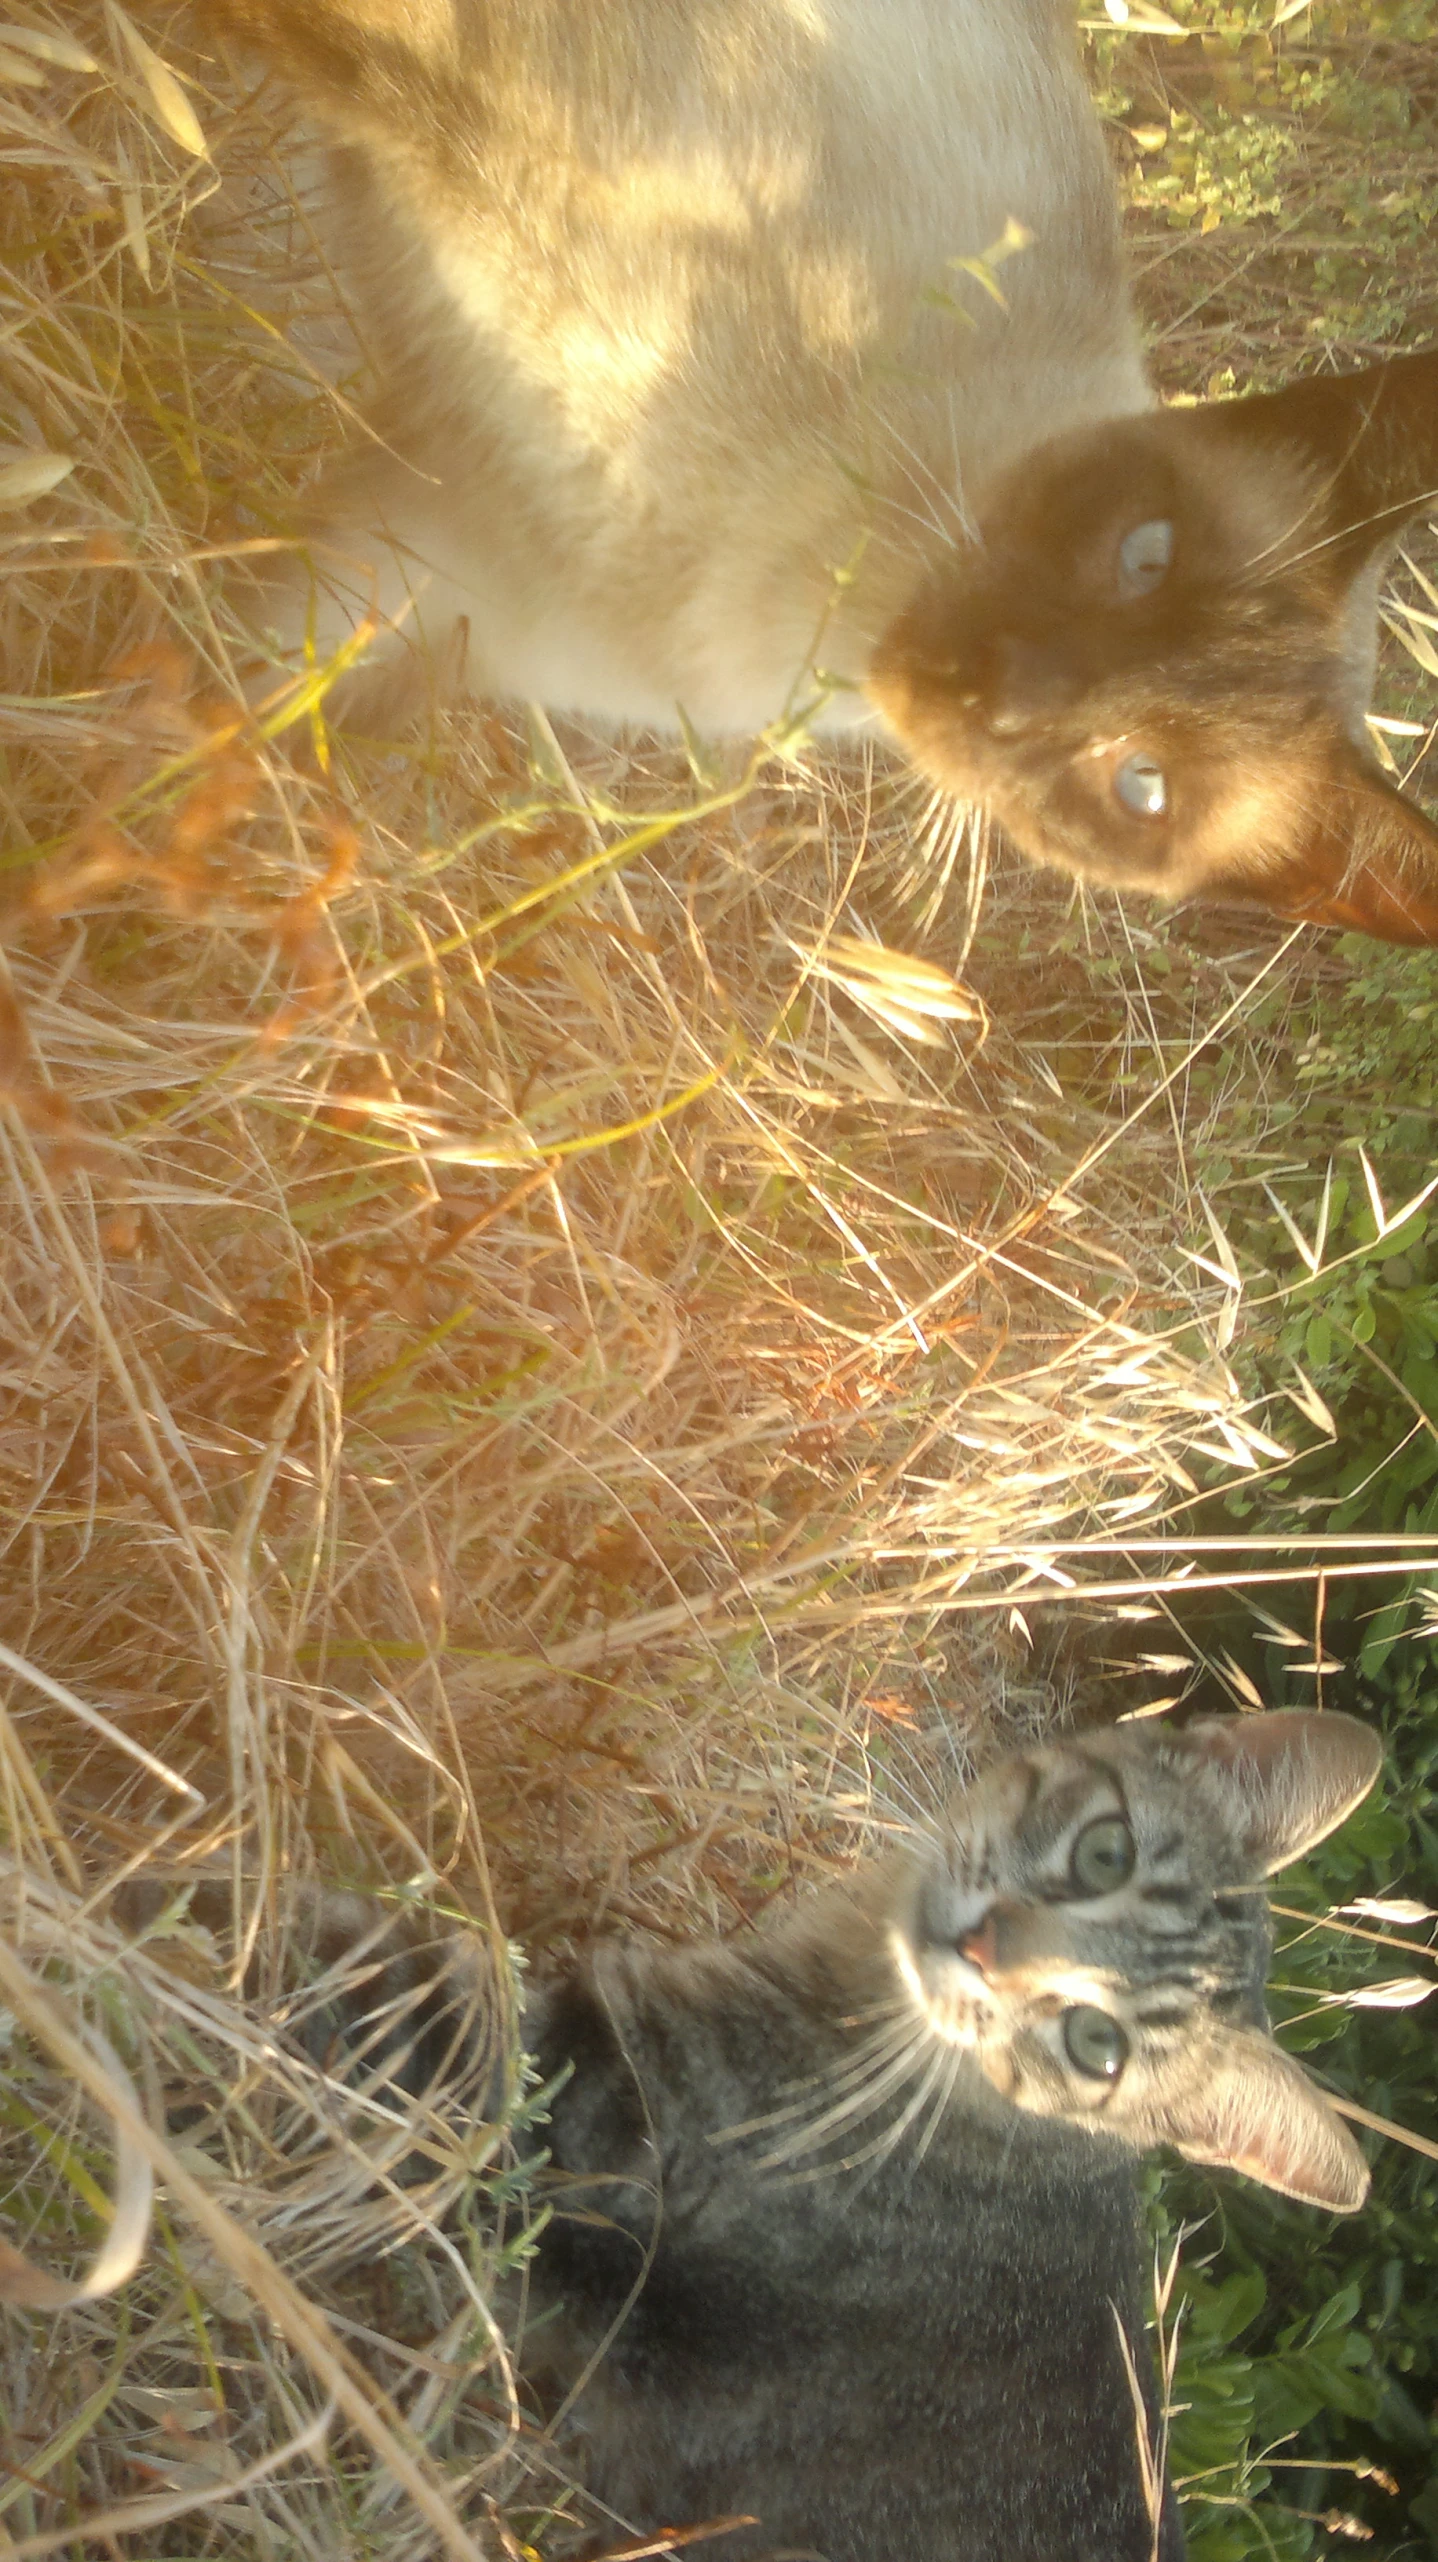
(1186, 1811)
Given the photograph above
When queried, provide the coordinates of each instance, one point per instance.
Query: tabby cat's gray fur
(845, 2211)
(693, 379)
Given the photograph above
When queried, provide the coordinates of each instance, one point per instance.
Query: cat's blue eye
(1102, 1856)
(1095, 2045)
(1144, 557)
(1142, 787)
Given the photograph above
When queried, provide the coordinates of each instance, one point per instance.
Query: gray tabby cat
(703, 366)
(845, 2230)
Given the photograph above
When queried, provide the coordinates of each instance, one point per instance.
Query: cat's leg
(375, 589)
(410, 2011)
(417, 2012)
(369, 603)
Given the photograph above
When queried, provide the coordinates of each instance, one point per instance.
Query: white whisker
(878, 2151)
(872, 2052)
(936, 2115)
(829, 2083)
(861, 2103)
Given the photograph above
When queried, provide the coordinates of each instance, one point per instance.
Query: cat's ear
(1366, 859)
(1256, 2111)
(1371, 439)
(1298, 1773)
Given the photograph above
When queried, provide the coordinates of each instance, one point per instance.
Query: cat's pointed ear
(1371, 437)
(1256, 2111)
(1298, 1773)
(1367, 860)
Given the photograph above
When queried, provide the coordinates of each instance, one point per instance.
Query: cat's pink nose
(981, 1947)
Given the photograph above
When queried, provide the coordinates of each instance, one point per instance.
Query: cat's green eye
(1102, 1856)
(1144, 556)
(1094, 2044)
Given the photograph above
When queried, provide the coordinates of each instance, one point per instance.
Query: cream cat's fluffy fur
(749, 356)
(656, 298)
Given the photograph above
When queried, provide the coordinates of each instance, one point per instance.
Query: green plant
(1308, 2350)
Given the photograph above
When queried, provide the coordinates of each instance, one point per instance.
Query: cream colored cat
(713, 380)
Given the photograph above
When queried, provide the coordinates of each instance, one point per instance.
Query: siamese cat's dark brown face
(1153, 667)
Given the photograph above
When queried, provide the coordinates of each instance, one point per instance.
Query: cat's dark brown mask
(1153, 670)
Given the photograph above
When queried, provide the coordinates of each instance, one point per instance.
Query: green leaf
(1336, 2314)
(1318, 1342)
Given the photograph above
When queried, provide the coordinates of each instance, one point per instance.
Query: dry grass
(516, 1377)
